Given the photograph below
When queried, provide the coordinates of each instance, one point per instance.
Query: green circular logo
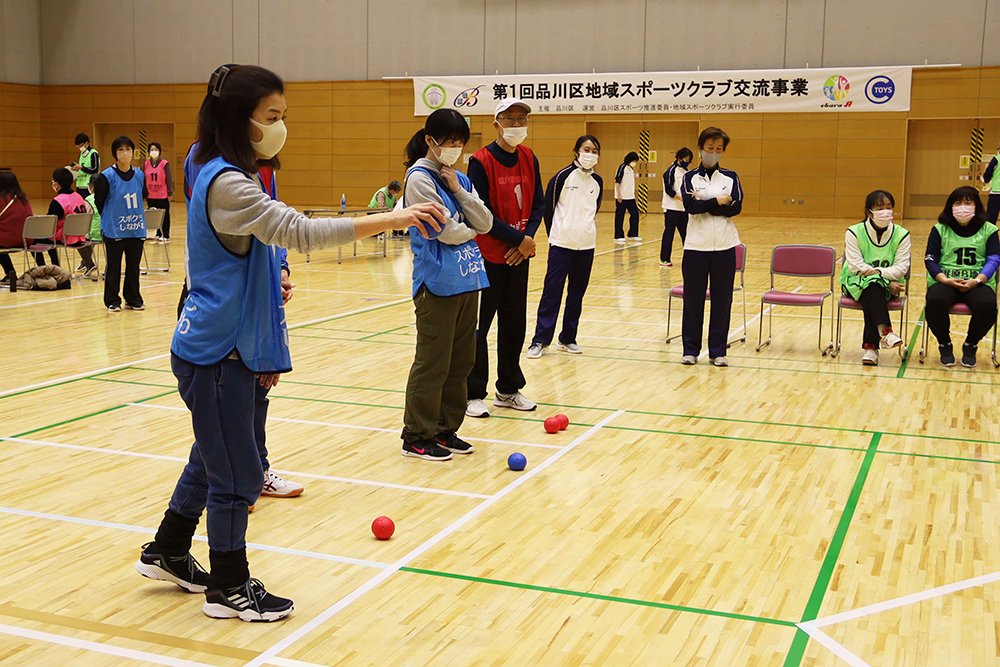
(434, 96)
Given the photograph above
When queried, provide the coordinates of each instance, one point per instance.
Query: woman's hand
(724, 200)
(422, 216)
(268, 380)
(896, 288)
(450, 178)
(868, 272)
(967, 285)
(286, 287)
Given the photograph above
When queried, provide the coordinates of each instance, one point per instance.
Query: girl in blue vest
(119, 193)
(232, 334)
(448, 273)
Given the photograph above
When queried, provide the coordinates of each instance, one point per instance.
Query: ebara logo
(880, 89)
(467, 98)
(434, 96)
(836, 88)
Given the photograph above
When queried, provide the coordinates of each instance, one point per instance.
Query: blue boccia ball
(516, 461)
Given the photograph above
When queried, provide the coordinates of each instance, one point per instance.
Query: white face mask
(83, 149)
(154, 155)
(710, 160)
(448, 156)
(514, 135)
(588, 160)
(273, 139)
(963, 213)
(882, 218)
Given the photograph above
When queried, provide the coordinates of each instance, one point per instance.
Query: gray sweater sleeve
(238, 207)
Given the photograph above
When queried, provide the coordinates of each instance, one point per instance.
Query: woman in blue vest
(119, 193)
(232, 334)
(448, 273)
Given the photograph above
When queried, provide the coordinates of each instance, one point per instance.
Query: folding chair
(41, 228)
(900, 303)
(678, 293)
(76, 224)
(799, 261)
(154, 220)
(958, 309)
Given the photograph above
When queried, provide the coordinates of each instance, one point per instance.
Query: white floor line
(106, 649)
(331, 611)
(740, 329)
(198, 538)
(832, 645)
(286, 662)
(913, 598)
(82, 375)
(352, 312)
(82, 296)
(299, 288)
(290, 473)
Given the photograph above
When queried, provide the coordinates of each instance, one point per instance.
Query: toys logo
(880, 89)
(836, 88)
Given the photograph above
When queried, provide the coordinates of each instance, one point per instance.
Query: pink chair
(799, 261)
(901, 303)
(677, 292)
(958, 309)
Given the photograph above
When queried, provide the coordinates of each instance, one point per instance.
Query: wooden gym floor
(688, 516)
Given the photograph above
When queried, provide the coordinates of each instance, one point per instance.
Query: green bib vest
(963, 257)
(83, 179)
(995, 186)
(875, 255)
(390, 201)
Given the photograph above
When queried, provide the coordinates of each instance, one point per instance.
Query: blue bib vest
(447, 270)
(123, 216)
(234, 301)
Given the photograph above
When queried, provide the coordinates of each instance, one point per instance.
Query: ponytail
(416, 148)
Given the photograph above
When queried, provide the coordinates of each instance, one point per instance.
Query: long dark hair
(878, 198)
(631, 156)
(963, 194)
(442, 125)
(683, 153)
(224, 119)
(9, 187)
(584, 139)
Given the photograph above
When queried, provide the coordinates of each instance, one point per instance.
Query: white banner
(749, 91)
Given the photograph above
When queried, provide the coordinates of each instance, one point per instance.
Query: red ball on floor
(383, 527)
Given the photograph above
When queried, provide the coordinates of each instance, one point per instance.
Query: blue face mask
(683, 164)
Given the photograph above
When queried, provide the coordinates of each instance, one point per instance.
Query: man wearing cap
(506, 176)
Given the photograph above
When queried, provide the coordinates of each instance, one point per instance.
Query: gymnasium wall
(168, 41)
(347, 137)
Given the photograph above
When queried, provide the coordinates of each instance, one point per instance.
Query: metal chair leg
(840, 320)
(670, 308)
(761, 343)
(923, 345)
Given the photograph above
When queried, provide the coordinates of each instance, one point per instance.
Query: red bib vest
(156, 179)
(71, 203)
(512, 192)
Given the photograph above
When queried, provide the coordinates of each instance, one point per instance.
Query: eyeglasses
(513, 119)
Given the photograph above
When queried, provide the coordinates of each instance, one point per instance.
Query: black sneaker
(453, 443)
(947, 355)
(969, 356)
(249, 602)
(184, 570)
(427, 450)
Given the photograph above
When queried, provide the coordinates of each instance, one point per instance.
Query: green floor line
(732, 437)
(815, 603)
(913, 341)
(597, 596)
(89, 415)
(938, 456)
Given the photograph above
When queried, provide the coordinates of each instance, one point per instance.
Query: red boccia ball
(383, 527)
(563, 422)
(551, 425)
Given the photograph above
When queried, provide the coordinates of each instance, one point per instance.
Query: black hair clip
(218, 78)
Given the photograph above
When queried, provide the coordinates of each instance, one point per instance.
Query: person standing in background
(625, 199)
(506, 176)
(89, 166)
(160, 184)
(992, 178)
(674, 215)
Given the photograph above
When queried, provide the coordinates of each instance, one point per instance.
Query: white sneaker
(870, 358)
(276, 487)
(619, 241)
(890, 340)
(517, 401)
(636, 239)
(477, 408)
(689, 360)
(666, 264)
(536, 350)
(572, 348)
(721, 362)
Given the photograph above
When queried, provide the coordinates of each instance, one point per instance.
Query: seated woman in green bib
(876, 261)
(963, 253)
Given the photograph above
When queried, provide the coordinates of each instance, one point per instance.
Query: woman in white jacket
(712, 198)
(674, 215)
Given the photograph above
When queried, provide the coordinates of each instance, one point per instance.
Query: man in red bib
(505, 174)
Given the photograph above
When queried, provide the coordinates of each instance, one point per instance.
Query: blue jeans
(224, 470)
